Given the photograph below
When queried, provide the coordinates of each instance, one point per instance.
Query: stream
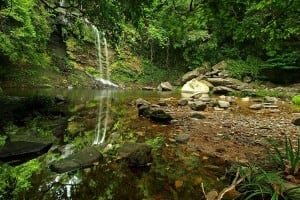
(176, 170)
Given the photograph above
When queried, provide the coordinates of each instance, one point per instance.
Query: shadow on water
(108, 118)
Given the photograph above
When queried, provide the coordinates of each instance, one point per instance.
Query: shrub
(296, 100)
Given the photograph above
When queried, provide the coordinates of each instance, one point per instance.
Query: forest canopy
(167, 32)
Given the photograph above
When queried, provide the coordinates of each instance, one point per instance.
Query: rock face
(165, 86)
(85, 158)
(18, 151)
(137, 154)
(195, 86)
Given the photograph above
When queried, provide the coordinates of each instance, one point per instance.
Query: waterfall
(106, 56)
(103, 115)
(98, 46)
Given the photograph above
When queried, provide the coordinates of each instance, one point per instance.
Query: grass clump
(288, 158)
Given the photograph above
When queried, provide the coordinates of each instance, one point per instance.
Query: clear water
(174, 173)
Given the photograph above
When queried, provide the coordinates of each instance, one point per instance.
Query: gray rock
(223, 104)
(222, 90)
(183, 102)
(220, 66)
(165, 86)
(296, 121)
(182, 138)
(220, 81)
(198, 106)
(192, 74)
(140, 102)
(269, 106)
(270, 99)
(85, 158)
(137, 154)
(212, 73)
(144, 110)
(148, 88)
(160, 116)
(257, 106)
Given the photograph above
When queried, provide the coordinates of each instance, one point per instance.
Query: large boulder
(165, 86)
(192, 74)
(137, 154)
(89, 156)
(195, 86)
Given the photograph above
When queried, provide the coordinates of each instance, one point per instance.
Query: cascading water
(106, 56)
(98, 46)
(104, 104)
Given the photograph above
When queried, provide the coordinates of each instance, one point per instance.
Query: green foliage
(262, 185)
(2, 140)
(289, 158)
(296, 100)
(156, 142)
(240, 69)
(24, 33)
(16, 180)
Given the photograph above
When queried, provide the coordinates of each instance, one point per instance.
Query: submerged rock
(296, 122)
(137, 154)
(85, 158)
(19, 151)
(160, 116)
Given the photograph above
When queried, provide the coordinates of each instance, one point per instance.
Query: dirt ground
(236, 134)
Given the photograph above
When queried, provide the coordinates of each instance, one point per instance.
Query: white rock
(195, 86)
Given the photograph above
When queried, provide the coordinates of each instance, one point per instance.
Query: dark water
(175, 173)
